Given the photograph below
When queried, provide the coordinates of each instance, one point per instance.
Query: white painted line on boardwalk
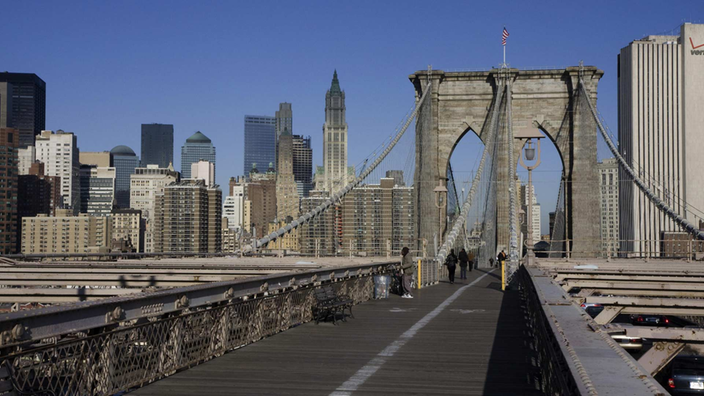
(361, 376)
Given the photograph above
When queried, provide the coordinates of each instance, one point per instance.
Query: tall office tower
(98, 158)
(377, 219)
(284, 119)
(535, 221)
(608, 170)
(25, 158)
(9, 140)
(23, 105)
(198, 147)
(128, 229)
(204, 170)
(97, 190)
(145, 185)
(125, 162)
(287, 199)
(259, 141)
(262, 197)
(188, 216)
(59, 153)
(334, 140)
(233, 208)
(157, 144)
(66, 233)
(660, 80)
(303, 164)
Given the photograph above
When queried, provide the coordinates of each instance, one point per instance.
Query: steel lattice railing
(104, 361)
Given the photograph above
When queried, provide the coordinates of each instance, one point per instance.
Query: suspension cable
(681, 221)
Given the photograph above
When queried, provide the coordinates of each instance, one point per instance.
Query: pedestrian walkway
(466, 338)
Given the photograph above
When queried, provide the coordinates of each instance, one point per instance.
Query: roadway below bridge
(467, 338)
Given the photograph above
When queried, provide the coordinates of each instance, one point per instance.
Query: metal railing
(113, 345)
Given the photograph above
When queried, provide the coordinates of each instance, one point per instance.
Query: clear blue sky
(111, 66)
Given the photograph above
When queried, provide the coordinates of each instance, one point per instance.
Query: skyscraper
(189, 216)
(259, 141)
(125, 161)
(145, 185)
(287, 199)
(97, 190)
(334, 139)
(9, 141)
(23, 105)
(608, 182)
(284, 119)
(59, 153)
(198, 147)
(157, 144)
(302, 164)
(660, 130)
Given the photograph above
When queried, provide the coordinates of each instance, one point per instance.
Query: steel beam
(659, 355)
(607, 315)
(646, 301)
(599, 284)
(585, 292)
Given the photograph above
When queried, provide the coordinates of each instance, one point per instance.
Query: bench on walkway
(329, 304)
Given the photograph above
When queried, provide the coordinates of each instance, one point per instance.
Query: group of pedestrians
(465, 260)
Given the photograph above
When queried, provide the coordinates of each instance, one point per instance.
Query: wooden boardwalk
(475, 344)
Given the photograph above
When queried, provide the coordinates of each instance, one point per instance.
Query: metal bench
(329, 304)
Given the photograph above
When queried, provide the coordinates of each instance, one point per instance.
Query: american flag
(503, 37)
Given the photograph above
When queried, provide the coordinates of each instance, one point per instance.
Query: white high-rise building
(145, 184)
(25, 159)
(661, 125)
(204, 170)
(233, 208)
(59, 153)
(535, 220)
(608, 181)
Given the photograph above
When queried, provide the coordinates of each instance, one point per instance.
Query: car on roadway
(628, 343)
(686, 375)
(592, 309)
(650, 320)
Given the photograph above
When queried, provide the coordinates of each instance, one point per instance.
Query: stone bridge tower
(550, 100)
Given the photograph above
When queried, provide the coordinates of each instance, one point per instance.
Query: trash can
(381, 286)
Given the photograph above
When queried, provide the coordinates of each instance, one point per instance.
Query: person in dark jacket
(471, 261)
(451, 263)
(464, 262)
(502, 257)
(407, 267)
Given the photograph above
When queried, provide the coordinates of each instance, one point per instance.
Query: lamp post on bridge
(529, 152)
(440, 203)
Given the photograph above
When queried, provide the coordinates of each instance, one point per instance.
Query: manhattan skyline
(203, 67)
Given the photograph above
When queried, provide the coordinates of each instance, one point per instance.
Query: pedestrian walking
(451, 263)
(464, 262)
(471, 261)
(502, 258)
(407, 270)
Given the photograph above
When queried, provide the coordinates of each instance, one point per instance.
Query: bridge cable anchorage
(458, 224)
(307, 217)
(663, 206)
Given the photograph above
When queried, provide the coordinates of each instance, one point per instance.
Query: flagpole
(504, 54)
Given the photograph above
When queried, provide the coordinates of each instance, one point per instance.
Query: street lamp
(440, 203)
(529, 152)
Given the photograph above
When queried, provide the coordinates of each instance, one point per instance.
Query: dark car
(686, 375)
(650, 320)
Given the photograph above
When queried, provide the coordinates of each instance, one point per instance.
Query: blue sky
(111, 66)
